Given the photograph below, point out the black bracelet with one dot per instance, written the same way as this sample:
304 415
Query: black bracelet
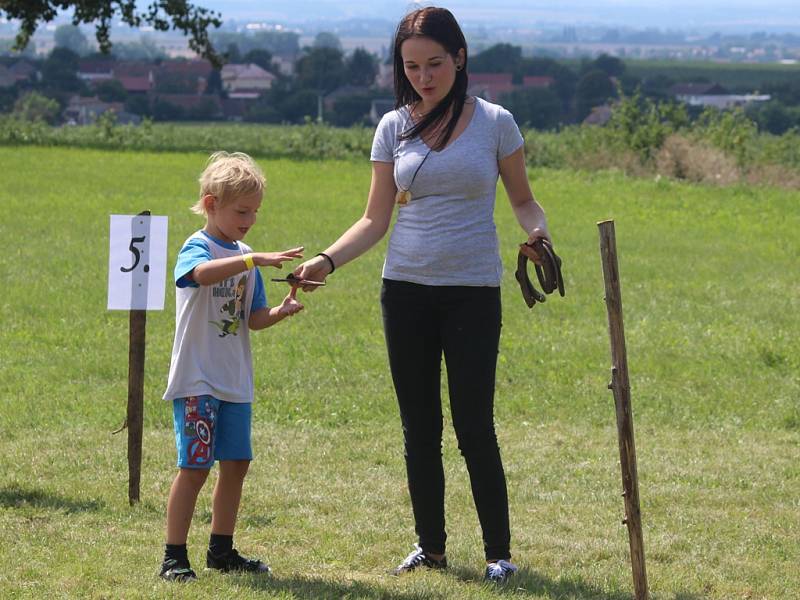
330 260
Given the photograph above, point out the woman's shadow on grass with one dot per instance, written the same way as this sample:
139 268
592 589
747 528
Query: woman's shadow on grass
525 582
19 497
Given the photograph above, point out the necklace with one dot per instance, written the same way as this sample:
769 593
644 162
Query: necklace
403 195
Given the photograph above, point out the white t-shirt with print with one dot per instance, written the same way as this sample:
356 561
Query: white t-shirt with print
211 352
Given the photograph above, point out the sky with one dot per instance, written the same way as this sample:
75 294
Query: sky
740 15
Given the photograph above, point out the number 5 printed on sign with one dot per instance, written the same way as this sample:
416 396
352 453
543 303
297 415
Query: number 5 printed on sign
137 262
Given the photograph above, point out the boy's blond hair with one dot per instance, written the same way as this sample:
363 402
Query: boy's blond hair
229 175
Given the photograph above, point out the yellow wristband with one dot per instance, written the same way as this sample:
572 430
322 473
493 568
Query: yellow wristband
248 261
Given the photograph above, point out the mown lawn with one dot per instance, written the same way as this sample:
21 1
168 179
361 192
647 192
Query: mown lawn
711 299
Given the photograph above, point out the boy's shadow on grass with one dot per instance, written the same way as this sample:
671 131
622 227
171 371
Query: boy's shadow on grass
18 497
309 587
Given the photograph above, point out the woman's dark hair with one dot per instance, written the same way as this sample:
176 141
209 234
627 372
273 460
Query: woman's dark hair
439 25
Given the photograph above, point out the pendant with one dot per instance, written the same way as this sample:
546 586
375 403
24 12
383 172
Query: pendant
402 197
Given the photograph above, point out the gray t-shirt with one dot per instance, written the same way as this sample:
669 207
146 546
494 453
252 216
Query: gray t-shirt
446 234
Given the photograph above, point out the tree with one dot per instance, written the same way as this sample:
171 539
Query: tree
260 57
138 105
564 78
214 84
60 71
35 107
72 38
350 110
500 58
326 39
296 107
284 43
361 67
320 69
610 65
536 107
162 15
593 89
167 111
143 50
110 90
232 53
774 117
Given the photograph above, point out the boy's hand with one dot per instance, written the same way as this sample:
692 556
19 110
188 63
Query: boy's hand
290 306
276 259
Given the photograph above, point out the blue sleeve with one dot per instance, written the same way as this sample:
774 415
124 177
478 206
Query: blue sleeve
259 294
194 252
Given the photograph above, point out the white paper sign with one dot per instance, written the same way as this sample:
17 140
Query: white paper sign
137 262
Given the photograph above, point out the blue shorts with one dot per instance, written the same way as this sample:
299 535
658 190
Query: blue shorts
207 429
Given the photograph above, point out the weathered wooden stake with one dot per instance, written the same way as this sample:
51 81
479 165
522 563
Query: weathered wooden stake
134 420
622 399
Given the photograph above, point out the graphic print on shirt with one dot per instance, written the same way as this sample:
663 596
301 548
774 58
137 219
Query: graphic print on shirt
232 309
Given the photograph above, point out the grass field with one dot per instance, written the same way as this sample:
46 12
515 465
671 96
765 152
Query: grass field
735 76
712 303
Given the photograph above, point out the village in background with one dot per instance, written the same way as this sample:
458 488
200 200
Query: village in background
343 76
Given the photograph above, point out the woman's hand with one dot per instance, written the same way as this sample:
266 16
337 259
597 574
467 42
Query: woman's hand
276 259
537 233
314 269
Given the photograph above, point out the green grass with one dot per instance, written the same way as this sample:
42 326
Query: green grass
710 295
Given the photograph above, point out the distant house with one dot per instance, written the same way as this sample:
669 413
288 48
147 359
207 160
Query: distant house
600 115
378 108
85 111
246 81
23 70
713 94
93 71
135 77
193 72
284 64
7 78
697 89
136 84
537 81
490 86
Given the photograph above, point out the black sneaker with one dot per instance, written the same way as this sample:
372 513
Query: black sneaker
176 570
418 558
500 571
233 561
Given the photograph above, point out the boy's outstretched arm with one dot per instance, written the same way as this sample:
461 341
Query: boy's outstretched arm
214 271
267 317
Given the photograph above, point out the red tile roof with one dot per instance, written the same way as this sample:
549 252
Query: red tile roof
537 81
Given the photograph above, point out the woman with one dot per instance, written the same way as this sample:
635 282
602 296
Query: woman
438 156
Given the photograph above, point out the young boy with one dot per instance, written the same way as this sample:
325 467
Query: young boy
219 298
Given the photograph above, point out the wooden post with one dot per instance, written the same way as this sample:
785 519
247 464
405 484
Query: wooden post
135 413
138 321
620 386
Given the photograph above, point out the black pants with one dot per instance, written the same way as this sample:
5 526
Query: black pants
421 323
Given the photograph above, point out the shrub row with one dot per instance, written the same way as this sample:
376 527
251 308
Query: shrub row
641 138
